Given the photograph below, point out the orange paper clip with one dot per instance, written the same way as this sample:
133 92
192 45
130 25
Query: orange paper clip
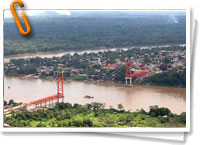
23 16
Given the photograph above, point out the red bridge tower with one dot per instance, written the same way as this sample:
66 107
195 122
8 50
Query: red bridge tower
130 75
51 100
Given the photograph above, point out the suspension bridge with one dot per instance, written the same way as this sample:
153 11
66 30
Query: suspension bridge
46 102
50 101
130 75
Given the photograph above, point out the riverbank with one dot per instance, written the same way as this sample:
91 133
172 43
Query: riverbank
60 53
94 82
95 115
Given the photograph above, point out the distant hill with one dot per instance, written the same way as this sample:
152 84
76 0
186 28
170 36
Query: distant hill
81 30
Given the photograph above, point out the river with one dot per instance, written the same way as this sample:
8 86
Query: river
133 98
61 53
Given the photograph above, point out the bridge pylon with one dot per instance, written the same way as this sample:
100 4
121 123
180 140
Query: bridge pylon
50 101
128 77
60 88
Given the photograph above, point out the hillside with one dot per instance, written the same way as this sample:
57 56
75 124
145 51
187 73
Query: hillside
91 30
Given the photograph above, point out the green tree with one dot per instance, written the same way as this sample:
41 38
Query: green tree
41 124
87 122
163 66
11 102
120 107
5 103
97 106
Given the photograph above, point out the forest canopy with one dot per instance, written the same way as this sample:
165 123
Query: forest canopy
95 115
95 30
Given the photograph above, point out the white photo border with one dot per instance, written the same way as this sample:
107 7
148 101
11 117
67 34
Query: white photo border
102 129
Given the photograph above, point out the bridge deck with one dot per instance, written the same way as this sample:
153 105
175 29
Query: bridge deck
137 74
43 100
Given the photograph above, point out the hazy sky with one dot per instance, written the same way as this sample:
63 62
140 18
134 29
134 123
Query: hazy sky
8 13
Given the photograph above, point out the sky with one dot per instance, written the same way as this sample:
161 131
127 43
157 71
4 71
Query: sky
8 13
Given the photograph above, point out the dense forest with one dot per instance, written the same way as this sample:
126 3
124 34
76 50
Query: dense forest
171 78
95 115
94 30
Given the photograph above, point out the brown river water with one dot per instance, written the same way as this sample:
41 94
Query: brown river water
132 98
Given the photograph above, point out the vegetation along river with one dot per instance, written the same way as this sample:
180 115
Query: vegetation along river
132 98
61 53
